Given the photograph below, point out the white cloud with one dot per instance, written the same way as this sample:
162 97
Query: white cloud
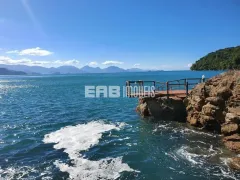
12 52
189 65
31 52
94 63
29 62
136 65
112 62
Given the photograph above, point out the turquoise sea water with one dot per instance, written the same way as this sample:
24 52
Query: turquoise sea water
48 130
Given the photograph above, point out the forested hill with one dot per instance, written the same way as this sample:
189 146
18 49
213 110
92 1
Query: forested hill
228 58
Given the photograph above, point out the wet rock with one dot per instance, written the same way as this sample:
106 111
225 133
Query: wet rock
229 128
163 108
232 142
143 110
193 120
234 163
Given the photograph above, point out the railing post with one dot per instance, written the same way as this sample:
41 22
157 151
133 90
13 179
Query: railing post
187 88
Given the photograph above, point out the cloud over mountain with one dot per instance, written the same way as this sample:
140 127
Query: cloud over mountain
29 62
112 62
31 52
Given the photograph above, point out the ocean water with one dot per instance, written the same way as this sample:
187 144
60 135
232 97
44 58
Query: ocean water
48 130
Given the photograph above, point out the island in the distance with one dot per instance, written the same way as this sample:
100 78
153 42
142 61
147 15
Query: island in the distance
4 71
223 59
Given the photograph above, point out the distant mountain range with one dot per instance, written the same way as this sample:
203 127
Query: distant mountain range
33 70
4 71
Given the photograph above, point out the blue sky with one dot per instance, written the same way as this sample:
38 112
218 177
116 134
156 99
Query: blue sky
148 34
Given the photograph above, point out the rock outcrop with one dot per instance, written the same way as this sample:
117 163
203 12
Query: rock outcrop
163 108
215 106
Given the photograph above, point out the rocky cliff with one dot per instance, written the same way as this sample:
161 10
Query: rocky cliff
162 108
215 106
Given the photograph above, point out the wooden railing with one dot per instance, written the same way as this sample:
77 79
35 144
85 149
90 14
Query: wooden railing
169 87
130 87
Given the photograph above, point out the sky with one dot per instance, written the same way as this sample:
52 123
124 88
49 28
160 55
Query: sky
146 34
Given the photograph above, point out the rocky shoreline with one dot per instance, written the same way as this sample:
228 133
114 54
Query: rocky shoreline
213 105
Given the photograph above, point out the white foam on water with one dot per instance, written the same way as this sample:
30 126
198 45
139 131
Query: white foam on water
187 130
23 172
162 127
74 139
191 157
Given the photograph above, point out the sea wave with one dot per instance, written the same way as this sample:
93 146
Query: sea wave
25 173
75 139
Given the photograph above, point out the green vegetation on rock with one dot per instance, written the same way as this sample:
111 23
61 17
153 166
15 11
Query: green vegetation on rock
228 58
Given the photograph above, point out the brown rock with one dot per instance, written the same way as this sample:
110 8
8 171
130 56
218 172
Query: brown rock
234 163
231 117
193 119
235 110
234 101
143 110
229 129
217 101
209 110
232 142
204 120
236 90
224 93
199 90
224 82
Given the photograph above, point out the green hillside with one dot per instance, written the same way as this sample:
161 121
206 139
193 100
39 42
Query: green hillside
228 58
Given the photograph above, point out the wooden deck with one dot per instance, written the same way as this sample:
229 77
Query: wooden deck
174 93
178 93
176 88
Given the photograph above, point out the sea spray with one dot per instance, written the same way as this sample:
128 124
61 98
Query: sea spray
74 139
